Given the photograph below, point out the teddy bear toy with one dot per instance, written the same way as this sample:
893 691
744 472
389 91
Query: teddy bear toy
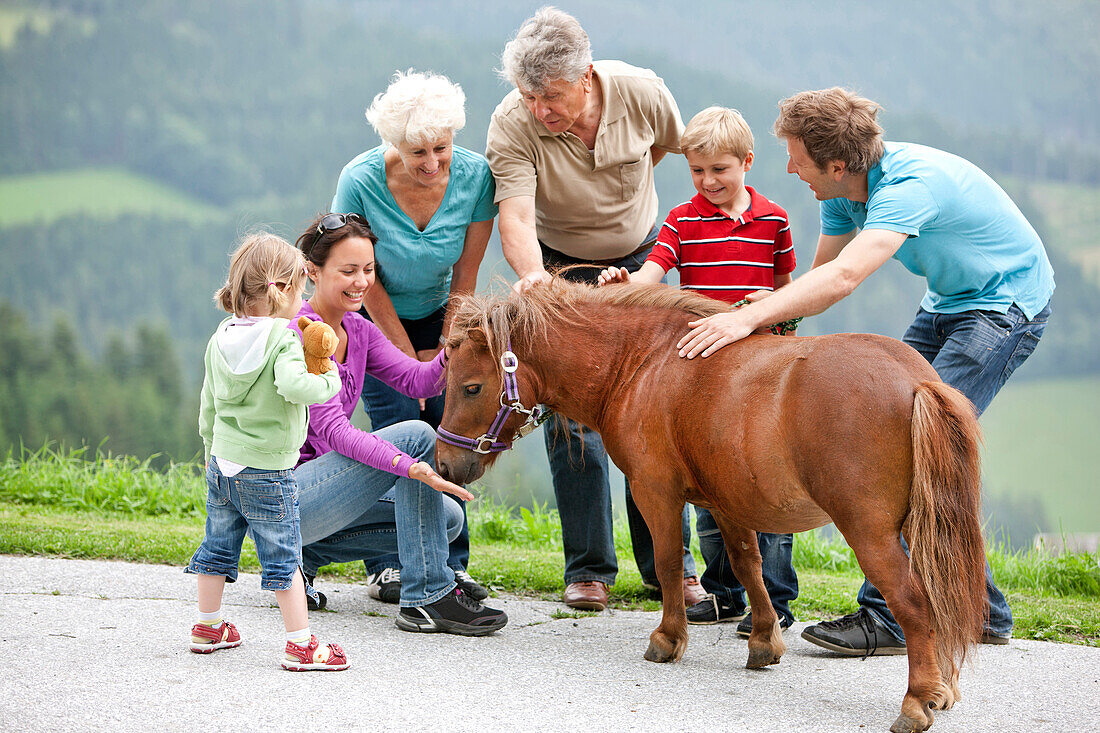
319 344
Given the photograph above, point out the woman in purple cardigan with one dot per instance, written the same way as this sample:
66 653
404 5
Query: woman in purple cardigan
365 495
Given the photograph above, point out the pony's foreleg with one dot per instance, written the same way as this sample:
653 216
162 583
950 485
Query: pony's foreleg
662 515
766 643
886 565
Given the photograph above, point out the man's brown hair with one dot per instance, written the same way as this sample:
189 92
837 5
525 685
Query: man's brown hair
833 124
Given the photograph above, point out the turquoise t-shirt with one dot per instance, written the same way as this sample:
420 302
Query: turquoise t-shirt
966 236
415 266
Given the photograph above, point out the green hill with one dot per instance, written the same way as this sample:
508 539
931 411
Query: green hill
98 193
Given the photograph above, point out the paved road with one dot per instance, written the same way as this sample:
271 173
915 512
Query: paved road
93 645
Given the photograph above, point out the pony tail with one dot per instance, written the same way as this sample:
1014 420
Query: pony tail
276 298
223 298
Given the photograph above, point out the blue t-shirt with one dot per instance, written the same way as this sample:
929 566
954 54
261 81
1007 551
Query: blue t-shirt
415 266
966 236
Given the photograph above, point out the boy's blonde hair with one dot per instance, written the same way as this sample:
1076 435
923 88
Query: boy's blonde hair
833 124
717 130
264 273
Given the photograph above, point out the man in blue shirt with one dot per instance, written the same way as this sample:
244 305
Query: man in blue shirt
989 282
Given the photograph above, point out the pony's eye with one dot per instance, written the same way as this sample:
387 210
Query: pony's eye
472 389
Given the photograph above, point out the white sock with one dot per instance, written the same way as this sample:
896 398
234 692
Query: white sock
211 618
300 637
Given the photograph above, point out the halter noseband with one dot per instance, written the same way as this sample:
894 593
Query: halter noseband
488 442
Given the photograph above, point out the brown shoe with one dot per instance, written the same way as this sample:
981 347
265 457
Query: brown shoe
693 592
587 595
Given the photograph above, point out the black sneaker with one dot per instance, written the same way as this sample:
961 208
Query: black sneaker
470 586
318 603
711 611
858 634
385 585
454 613
993 637
745 627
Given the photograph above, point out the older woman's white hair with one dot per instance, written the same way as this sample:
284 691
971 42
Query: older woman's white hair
418 108
550 46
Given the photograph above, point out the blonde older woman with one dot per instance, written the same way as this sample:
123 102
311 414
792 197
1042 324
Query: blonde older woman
431 204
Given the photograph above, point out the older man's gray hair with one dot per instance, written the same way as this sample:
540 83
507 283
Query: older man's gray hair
550 46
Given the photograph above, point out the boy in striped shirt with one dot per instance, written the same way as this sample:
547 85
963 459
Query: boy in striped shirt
728 242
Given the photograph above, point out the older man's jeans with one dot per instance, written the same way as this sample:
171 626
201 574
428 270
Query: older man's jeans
975 352
578 467
718 578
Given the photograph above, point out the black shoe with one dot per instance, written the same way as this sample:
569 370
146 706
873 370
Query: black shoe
992 637
470 586
711 611
454 613
385 585
314 604
745 627
858 634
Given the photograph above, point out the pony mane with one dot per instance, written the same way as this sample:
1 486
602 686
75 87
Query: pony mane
533 314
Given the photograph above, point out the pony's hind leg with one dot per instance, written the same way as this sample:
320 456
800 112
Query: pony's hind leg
886 565
766 644
663 517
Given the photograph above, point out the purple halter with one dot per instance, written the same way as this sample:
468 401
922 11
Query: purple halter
489 441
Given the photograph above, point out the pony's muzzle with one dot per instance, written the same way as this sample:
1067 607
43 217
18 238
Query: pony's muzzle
458 465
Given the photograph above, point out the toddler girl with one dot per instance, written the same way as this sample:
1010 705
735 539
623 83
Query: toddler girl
252 418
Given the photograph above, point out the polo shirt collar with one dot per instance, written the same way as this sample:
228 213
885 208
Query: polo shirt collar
757 204
874 177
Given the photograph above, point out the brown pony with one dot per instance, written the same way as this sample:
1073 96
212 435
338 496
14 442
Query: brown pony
772 434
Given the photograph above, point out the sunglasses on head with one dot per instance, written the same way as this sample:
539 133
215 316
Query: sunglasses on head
332 222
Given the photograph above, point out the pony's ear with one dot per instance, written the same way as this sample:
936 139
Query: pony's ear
477 337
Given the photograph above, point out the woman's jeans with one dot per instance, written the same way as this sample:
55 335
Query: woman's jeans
345 515
975 352
775 552
582 489
386 406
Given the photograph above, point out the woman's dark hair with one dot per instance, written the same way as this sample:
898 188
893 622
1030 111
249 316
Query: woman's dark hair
318 240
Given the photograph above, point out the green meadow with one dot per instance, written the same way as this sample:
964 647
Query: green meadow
1041 442
100 193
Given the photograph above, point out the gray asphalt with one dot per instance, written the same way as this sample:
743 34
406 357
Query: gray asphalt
93 645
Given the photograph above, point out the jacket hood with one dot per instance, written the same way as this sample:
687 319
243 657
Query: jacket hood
243 349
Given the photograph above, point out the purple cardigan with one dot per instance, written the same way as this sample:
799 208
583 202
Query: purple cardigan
368 352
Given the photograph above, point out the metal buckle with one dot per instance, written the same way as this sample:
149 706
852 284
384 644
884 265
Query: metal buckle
484 445
509 362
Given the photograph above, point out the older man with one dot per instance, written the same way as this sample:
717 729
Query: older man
989 282
572 149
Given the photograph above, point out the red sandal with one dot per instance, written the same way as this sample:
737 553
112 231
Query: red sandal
206 639
312 657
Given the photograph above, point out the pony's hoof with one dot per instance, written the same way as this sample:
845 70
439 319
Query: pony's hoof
905 724
760 658
657 654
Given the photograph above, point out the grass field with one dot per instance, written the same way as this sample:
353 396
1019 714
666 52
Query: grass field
15 15
102 193
57 503
1041 442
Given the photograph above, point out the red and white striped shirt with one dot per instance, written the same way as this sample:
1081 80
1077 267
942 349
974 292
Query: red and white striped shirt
726 258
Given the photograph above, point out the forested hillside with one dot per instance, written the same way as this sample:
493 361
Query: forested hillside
247 110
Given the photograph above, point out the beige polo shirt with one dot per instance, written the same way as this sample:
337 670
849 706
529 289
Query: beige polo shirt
597 204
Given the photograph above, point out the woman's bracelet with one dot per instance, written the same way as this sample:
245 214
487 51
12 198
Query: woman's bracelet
442 340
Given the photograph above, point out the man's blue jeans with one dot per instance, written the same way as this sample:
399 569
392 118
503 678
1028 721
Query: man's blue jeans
975 352
578 468
338 501
775 552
